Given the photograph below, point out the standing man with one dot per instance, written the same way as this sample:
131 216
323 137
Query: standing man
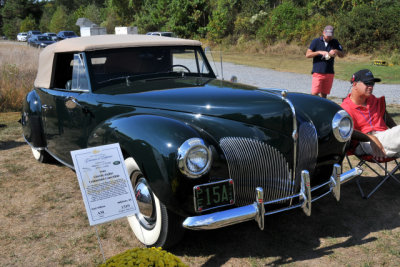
323 50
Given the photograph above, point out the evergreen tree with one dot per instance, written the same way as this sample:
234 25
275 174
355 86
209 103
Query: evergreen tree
62 21
12 15
28 24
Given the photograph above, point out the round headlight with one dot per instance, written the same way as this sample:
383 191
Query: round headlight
194 158
342 126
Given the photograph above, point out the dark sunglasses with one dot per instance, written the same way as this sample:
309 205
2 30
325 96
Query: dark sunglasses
372 83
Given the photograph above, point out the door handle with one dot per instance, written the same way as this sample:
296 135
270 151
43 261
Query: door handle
72 103
44 107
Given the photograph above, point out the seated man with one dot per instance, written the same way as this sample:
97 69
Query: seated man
373 127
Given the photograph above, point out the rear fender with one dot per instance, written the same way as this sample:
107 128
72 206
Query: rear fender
31 120
153 142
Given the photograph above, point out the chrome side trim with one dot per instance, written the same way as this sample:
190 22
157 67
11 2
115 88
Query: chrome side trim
60 160
37 148
295 134
51 154
250 212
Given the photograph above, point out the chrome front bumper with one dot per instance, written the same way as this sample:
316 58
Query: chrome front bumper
256 211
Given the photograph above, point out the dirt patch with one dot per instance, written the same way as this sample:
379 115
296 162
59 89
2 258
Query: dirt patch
44 223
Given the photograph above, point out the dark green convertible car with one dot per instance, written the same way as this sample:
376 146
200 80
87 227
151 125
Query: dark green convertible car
202 153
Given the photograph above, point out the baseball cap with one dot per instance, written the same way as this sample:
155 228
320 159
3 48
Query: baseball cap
364 76
328 30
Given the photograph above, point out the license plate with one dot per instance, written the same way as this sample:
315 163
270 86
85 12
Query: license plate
213 195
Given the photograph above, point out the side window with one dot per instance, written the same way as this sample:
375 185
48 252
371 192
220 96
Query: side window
63 64
79 78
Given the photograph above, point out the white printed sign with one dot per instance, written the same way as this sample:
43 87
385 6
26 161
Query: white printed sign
105 185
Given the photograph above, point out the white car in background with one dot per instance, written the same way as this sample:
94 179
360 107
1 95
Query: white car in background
21 37
166 34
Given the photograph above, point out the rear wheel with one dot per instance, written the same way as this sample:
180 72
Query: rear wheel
154 226
41 155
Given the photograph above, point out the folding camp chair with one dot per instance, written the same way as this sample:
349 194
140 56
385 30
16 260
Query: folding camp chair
369 161
365 159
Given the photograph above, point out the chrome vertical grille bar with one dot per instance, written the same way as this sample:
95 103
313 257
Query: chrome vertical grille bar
252 164
308 148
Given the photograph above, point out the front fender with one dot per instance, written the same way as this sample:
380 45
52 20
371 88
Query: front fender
153 142
319 110
31 120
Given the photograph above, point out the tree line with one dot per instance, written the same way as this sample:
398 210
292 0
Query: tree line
361 25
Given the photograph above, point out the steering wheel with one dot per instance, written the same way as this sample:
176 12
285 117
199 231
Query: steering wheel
181 66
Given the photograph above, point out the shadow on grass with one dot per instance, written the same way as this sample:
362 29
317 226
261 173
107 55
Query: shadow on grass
292 236
4 145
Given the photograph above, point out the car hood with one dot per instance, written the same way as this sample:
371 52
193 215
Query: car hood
209 97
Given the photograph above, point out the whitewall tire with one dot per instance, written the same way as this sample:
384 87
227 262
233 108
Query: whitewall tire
40 155
154 226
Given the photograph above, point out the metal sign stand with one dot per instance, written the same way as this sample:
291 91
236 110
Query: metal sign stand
101 247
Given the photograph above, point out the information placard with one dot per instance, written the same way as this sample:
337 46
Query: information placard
105 185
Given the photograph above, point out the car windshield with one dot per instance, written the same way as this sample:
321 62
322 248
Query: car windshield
69 33
44 38
50 34
36 32
167 34
127 65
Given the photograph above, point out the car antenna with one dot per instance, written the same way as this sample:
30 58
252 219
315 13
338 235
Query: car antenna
222 69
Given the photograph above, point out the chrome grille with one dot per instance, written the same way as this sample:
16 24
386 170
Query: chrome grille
253 163
308 149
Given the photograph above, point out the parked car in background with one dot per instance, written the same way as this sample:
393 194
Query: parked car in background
21 37
201 153
166 34
66 34
40 41
32 33
52 35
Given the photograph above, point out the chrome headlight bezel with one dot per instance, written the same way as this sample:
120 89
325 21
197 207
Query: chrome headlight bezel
184 151
339 131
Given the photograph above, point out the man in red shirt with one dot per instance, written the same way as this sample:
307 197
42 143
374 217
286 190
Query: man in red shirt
373 126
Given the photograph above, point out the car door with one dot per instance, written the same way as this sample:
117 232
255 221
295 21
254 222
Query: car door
66 119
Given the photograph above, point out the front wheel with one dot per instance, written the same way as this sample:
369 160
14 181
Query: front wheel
154 226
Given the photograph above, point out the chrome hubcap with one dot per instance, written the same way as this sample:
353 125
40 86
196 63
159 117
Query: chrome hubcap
144 198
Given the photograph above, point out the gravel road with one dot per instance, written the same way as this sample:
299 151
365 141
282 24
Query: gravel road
267 78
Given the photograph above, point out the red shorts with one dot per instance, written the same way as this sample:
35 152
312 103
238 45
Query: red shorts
322 83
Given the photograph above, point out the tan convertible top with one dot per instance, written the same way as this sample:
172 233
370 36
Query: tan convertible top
98 42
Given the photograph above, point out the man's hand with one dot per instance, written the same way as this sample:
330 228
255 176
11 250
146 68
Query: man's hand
311 54
377 149
335 52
